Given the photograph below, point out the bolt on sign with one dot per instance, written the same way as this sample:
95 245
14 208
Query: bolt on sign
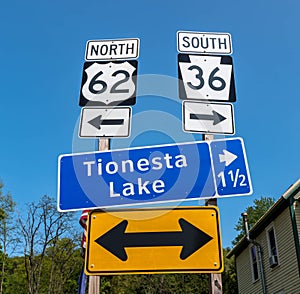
159 240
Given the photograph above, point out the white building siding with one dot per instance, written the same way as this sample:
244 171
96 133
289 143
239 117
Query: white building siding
245 281
288 266
285 276
297 216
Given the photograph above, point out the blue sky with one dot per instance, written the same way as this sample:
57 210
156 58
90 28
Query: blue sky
42 55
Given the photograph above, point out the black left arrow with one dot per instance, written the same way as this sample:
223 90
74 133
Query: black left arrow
97 122
215 117
190 238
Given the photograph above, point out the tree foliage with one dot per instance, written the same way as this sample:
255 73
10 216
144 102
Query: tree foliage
255 212
63 264
41 228
158 284
7 232
229 278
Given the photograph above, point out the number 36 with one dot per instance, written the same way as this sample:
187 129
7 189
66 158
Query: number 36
216 83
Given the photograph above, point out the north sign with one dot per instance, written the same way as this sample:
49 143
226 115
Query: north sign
184 239
206 77
108 83
112 49
207 118
154 174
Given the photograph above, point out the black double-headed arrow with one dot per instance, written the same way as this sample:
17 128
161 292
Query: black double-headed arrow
97 122
190 238
215 117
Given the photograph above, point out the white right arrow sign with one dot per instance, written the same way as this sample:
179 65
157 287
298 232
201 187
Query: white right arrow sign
210 118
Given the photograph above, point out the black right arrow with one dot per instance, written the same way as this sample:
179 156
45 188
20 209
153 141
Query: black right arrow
190 238
215 116
97 122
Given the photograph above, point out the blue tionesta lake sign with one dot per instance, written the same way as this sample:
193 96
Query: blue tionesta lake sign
153 174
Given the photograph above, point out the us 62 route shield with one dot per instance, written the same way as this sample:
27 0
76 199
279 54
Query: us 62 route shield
108 83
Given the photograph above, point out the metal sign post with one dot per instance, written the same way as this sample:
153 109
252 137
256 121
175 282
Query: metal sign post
215 280
94 281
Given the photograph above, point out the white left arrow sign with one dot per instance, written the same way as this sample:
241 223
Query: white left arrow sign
105 122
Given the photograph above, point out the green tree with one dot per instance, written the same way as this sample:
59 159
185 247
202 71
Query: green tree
15 276
255 212
229 279
40 228
63 266
59 275
8 239
157 284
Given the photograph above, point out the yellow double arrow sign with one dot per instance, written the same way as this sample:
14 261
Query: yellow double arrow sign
162 240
